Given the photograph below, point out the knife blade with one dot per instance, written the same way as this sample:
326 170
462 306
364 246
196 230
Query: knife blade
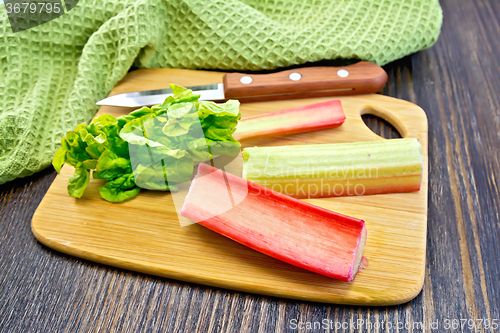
360 78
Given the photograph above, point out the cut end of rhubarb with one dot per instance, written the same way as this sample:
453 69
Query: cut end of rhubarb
358 261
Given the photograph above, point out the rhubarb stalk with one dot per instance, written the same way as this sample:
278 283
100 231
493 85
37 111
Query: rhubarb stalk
307 118
282 227
343 169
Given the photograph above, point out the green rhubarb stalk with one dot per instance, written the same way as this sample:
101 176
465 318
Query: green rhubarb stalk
280 226
331 170
307 118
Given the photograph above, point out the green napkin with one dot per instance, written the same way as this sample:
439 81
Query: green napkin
52 75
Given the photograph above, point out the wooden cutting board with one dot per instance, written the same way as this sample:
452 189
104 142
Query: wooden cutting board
144 234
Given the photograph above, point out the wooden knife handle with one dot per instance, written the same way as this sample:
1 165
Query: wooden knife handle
360 78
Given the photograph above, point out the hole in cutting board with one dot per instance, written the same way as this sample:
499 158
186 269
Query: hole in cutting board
378 125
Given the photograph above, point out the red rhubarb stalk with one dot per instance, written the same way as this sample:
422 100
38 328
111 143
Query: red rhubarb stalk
301 119
275 224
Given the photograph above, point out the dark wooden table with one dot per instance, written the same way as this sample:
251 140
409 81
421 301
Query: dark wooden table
457 82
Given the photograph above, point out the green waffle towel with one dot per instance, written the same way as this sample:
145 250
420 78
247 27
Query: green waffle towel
52 75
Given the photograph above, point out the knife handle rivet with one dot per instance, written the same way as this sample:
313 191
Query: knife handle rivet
342 73
295 76
246 80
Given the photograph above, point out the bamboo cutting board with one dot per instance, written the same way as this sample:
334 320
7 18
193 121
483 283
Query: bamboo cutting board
144 234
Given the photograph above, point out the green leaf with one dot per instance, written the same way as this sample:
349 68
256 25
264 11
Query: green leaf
90 164
180 126
207 108
105 120
178 169
154 177
219 134
151 177
180 110
166 141
109 166
174 165
121 188
219 120
115 194
224 148
136 114
124 181
75 148
78 182
199 149
180 94
59 159
94 145
133 132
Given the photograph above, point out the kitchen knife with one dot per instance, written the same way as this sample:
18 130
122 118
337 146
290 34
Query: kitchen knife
360 78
